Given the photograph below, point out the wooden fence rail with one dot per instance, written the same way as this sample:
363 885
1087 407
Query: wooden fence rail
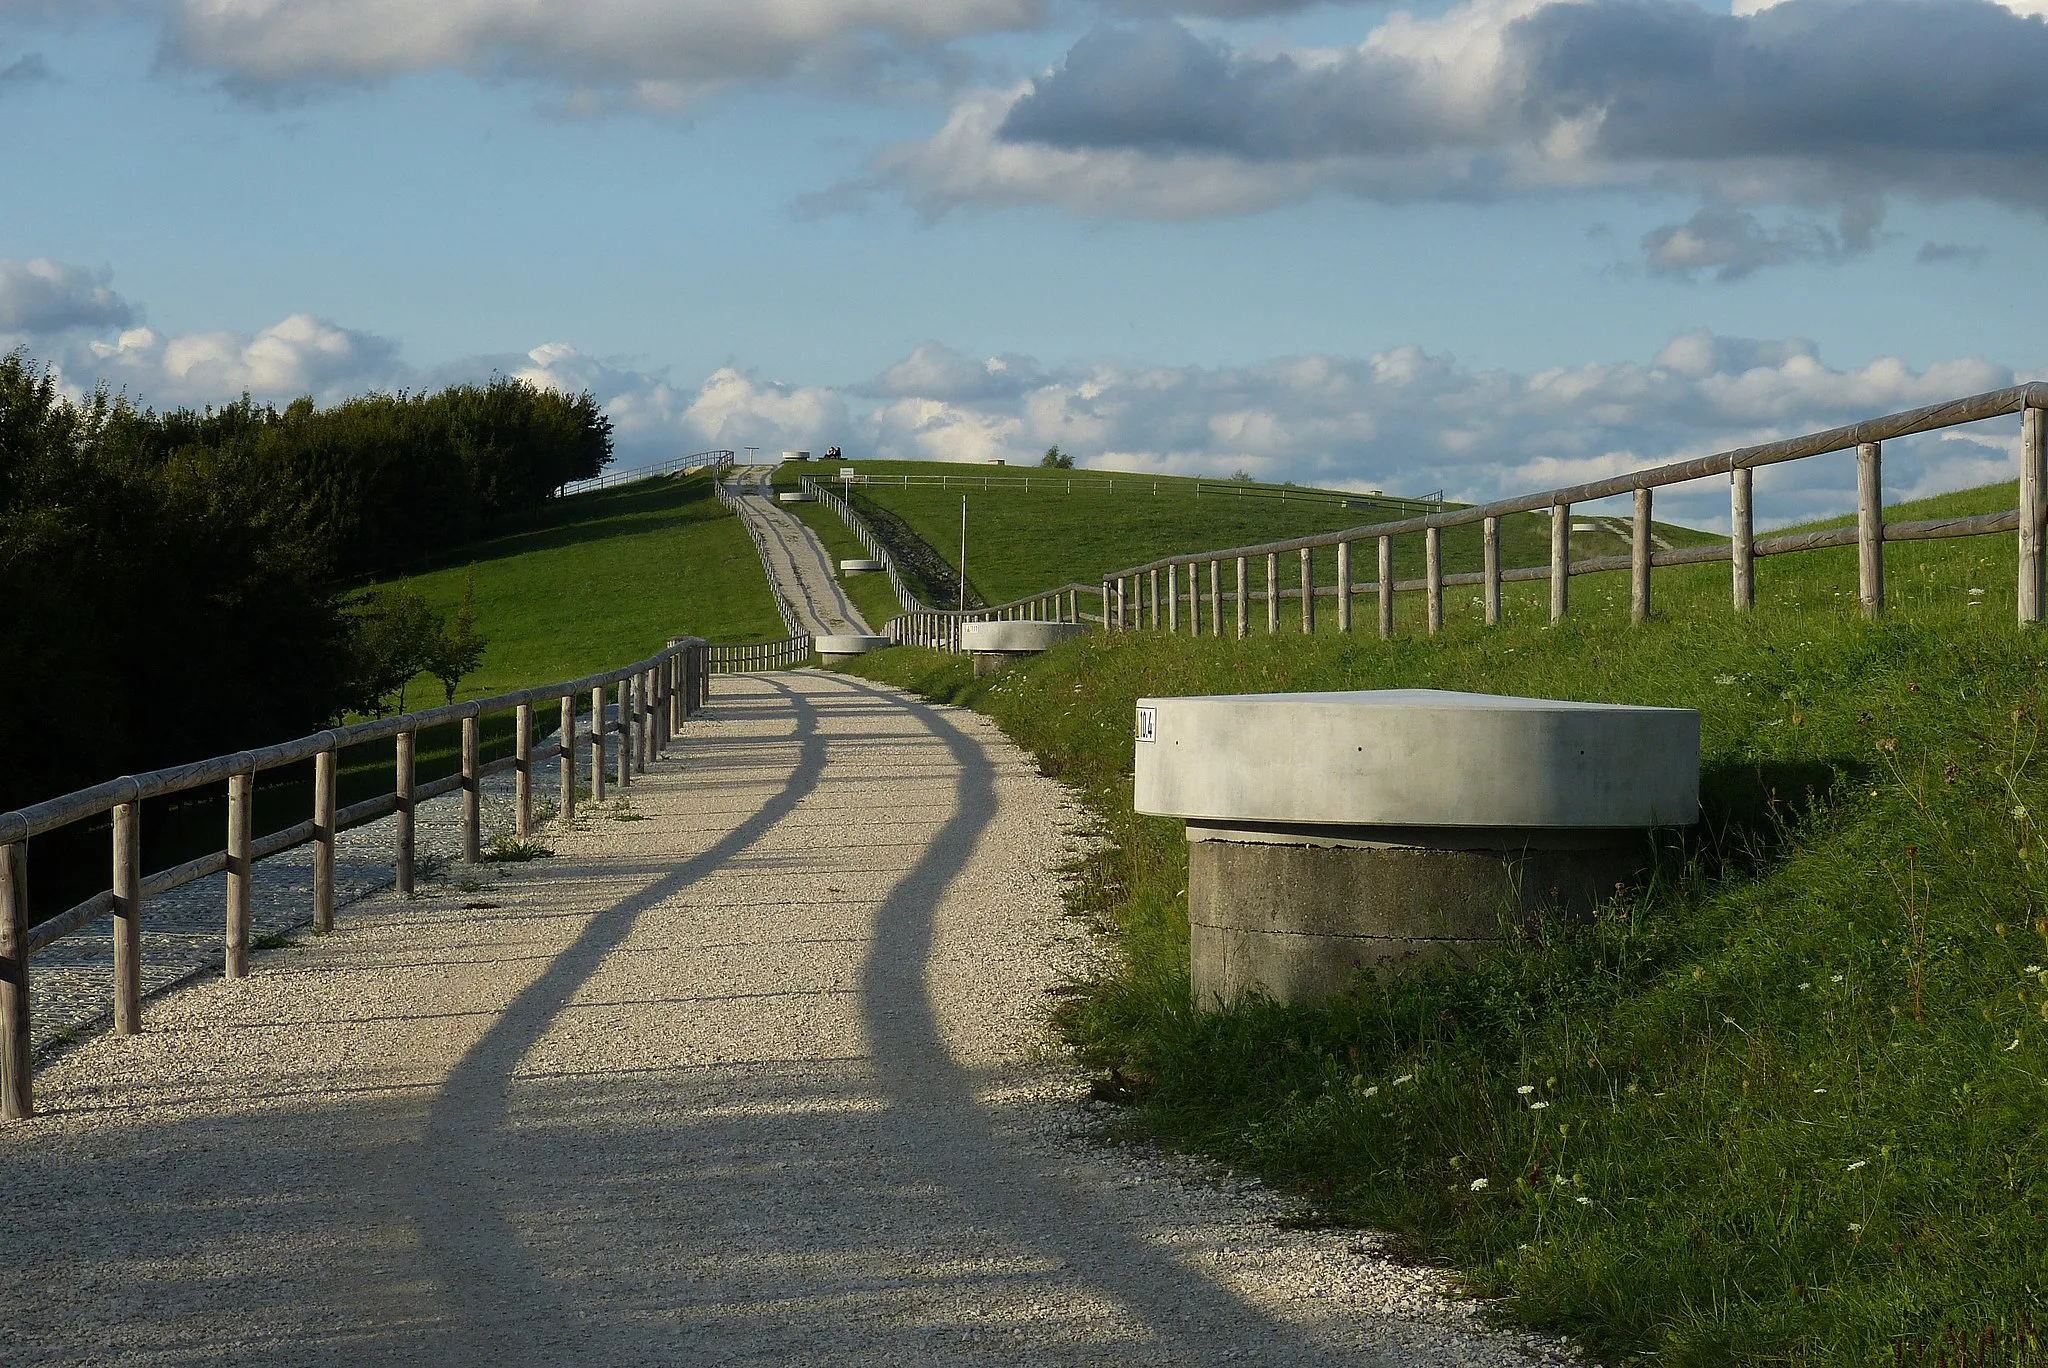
1132 597
786 654
652 698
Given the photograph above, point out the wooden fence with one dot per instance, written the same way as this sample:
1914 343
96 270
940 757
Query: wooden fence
1133 596
718 461
786 654
1061 483
653 697
855 523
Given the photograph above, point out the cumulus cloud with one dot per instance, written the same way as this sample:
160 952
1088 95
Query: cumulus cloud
1829 106
43 296
300 354
1403 420
660 54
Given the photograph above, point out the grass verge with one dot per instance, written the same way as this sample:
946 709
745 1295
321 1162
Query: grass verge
1785 1104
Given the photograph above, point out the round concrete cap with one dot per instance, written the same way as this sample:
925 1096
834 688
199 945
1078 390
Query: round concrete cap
847 644
793 496
1416 758
1020 638
859 565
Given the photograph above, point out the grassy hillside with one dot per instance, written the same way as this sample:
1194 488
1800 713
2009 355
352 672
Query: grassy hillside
608 578
1080 525
1794 1092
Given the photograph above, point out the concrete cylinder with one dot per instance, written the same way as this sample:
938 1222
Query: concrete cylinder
1333 834
859 565
995 645
846 645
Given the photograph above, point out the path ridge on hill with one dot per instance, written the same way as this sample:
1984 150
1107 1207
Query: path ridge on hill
798 568
754 1070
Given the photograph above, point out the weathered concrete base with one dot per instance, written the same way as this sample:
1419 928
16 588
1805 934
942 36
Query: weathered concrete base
988 662
845 646
1297 921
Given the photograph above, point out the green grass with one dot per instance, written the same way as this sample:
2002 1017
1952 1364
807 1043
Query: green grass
1795 1085
872 594
1022 542
608 580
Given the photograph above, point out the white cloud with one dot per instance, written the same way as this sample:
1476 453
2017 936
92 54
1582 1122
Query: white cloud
1403 420
660 54
1825 108
44 296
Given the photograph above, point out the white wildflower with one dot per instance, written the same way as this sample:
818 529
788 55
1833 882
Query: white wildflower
2031 969
1373 1091
1538 1106
1526 1089
1404 1078
1479 1185
1804 986
1835 978
1583 1201
1857 1165
1855 1227
1724 679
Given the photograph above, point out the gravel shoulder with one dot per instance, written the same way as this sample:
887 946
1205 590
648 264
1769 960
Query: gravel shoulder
755 1070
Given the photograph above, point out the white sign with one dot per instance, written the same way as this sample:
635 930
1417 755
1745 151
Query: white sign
1146 720
845 472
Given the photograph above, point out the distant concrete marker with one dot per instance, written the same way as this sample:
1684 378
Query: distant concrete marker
845 646
997 644
860 565
1334 832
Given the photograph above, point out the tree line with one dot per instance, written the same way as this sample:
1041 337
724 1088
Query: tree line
179 584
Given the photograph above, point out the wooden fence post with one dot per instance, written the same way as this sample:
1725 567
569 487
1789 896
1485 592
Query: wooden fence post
1490 536
1215 598
1386 588
1272 592
1742 543
1172 598
472 791
17 1092
1308 592
1870 527
522 772
565 762
1639 559
406 833
241 799
1154 577
1194 599
1344 586
324 837
128 917
2033 588
643 711
597 735
1560 560
1433 574
624 773
1243 599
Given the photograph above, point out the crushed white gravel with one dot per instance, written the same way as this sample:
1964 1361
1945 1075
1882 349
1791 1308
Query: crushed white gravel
760 1077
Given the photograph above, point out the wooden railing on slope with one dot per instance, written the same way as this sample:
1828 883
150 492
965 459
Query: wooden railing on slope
1092 483
718 461
654 697
1133 599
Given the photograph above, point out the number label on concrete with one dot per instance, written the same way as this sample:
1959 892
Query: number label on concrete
1146 718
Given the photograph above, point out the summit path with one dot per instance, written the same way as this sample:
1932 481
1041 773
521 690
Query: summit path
755 1070
798 569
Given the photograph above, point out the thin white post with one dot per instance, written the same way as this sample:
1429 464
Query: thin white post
1560 560
1344 586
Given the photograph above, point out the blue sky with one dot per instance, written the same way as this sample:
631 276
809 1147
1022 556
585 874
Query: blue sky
1313 241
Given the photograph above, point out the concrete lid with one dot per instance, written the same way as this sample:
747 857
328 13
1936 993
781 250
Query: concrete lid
1017 636
1418 758
860 563
847 643
793 496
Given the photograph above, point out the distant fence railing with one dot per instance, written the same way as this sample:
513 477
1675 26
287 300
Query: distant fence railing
743 658
653 699
717 461
1133 598
1060 482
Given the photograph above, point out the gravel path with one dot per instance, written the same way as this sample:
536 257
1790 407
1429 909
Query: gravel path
762 1077
799 571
